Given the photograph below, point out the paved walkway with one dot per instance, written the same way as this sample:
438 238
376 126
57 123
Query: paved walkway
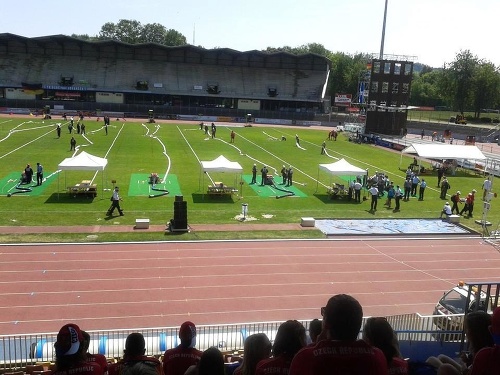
152 228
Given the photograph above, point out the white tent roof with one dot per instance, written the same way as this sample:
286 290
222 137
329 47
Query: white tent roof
444 151
83 162
342 168
221 164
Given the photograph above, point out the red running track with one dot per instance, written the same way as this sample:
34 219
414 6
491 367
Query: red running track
113 286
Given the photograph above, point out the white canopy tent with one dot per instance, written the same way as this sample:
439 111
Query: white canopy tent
83 162
221 165
341 168
443 151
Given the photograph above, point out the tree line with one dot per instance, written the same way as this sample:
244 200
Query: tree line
468 83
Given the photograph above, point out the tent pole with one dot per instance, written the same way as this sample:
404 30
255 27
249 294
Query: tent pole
317 182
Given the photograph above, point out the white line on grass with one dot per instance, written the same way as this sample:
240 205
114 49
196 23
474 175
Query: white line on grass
107 152
26 144
164 150
283 161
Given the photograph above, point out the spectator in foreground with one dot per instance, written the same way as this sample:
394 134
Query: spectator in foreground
211 363
487 360
97 358
340 352
256 348
134 361
290 338
379 333
177 360
476 327
71 355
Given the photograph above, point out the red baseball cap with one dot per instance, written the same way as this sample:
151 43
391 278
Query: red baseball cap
187 331
68 340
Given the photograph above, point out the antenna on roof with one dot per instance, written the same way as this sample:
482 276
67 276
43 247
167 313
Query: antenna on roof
194 34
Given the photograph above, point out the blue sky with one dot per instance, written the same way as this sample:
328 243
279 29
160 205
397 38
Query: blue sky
432 30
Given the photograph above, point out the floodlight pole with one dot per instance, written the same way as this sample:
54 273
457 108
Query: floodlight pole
383 33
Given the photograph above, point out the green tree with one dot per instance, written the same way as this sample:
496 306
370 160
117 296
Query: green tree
133 32
85 37
174 38
485 87
425 90
457 80
127 31
316 48
153 33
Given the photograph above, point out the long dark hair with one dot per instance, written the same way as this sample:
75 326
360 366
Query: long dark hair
211 362
256 348
379 333
290 338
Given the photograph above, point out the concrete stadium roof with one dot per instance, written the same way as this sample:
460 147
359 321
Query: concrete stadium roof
62 45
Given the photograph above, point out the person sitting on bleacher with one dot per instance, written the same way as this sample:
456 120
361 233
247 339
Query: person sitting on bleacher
71 353
314 330
177 360
134 361
476 328
290 338
211 363
487 360
97 358
256 348
340 352
379 333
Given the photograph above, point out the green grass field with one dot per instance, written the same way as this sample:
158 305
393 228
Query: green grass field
134 149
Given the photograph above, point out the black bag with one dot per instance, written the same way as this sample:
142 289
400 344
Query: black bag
111 199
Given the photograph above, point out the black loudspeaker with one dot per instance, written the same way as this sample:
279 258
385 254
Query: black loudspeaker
272 92
180 215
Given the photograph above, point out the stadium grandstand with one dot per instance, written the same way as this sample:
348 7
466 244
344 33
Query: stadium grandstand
69 74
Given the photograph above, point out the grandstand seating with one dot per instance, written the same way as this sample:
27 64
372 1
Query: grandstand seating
176 78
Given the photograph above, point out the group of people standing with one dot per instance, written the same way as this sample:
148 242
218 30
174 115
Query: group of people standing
286 174
27 174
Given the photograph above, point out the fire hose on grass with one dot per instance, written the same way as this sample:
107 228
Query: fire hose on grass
21 190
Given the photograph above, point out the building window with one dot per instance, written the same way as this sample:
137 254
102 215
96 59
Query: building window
374 87
397 68
395 87
387 68
406 88
385 87
376 67
408 68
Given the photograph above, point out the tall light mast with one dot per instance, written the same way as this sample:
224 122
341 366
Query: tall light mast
383 33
